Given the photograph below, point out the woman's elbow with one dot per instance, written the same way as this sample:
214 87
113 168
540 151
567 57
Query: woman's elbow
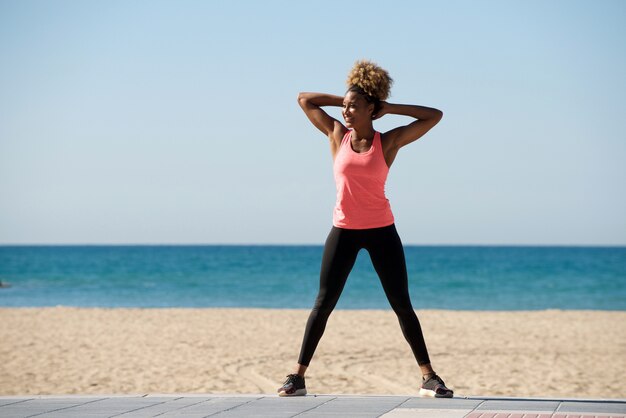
303 100
437 116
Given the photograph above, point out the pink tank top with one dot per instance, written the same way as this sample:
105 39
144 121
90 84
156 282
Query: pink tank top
360 180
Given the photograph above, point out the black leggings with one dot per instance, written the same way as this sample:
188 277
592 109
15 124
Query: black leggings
387 254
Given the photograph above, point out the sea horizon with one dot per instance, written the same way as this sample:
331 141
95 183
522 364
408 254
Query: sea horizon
288 244
450 277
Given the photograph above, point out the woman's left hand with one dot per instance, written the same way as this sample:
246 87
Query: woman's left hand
384 106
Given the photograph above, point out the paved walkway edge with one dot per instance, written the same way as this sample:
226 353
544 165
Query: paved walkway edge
311 406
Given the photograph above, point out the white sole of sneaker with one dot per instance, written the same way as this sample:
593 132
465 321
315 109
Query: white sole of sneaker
426 393
299 392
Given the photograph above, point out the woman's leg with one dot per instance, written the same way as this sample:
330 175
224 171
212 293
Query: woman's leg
339 256
387 255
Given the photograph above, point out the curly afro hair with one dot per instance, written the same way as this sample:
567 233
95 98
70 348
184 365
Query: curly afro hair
371 79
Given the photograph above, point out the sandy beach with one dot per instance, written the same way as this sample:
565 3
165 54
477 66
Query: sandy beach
87 351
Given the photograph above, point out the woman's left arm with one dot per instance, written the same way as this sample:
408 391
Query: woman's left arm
427 118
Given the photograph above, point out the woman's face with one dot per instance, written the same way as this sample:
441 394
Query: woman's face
356 110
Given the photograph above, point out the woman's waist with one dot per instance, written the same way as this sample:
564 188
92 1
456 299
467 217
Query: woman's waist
362 217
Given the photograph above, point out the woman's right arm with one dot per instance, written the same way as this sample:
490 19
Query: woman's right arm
312 104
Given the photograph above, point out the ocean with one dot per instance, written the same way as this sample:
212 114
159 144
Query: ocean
260 276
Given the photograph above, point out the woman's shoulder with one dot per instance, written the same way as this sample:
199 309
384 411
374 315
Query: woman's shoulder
342 135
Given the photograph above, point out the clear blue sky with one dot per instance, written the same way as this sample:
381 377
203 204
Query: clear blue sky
177 121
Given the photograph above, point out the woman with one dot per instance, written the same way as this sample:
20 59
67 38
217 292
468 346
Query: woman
362 216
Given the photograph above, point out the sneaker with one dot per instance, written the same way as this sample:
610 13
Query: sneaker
293 386
435 388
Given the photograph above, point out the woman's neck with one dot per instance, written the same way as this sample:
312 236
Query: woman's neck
366 132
